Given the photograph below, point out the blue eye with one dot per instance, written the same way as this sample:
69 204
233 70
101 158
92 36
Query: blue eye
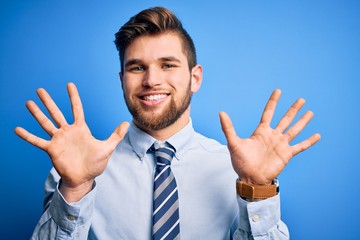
166 66
137 69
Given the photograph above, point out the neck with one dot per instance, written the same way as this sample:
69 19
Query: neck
167 132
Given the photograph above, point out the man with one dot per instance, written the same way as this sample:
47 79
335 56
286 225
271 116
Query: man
130 186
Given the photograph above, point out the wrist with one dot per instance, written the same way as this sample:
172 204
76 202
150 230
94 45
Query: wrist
250 191
75 194
255 181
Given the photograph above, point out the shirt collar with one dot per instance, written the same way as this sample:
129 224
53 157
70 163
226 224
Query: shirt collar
140 141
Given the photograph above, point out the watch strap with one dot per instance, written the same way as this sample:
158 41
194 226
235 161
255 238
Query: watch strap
254 191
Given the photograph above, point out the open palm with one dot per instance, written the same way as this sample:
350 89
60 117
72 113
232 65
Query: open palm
261 158
76 155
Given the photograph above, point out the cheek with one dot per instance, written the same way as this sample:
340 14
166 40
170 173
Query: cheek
180 81
127 91
128 86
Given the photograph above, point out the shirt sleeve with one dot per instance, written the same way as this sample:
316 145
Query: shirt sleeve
260 220
62 220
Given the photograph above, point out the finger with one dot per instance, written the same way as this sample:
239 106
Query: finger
299 125
227 127
270 107
297 148
41 118
118 135
290 114
76 104
52 108
31 138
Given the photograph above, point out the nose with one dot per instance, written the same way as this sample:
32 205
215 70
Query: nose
152 77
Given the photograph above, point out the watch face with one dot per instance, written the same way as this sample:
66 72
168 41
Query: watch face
277 184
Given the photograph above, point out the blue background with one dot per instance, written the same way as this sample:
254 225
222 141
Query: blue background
247 48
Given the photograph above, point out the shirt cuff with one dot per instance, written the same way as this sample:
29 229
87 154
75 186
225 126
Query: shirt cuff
69 216
260 216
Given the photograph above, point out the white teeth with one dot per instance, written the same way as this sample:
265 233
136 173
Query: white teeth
154 97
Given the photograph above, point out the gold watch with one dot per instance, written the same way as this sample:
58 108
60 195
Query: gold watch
254 191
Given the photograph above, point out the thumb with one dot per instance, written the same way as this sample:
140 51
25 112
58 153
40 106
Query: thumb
118 134
227 127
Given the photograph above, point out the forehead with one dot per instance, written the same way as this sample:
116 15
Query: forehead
150 47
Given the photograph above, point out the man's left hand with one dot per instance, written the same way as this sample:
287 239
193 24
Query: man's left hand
261 158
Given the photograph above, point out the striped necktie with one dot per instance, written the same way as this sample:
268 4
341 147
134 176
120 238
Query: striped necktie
165 206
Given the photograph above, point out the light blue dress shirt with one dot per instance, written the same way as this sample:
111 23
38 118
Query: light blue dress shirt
120 204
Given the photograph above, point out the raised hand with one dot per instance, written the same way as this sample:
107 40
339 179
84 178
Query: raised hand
76 155
261 158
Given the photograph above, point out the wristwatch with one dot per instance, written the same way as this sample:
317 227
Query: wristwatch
250 191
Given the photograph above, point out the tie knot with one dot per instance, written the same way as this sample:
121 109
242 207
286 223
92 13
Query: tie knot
164 154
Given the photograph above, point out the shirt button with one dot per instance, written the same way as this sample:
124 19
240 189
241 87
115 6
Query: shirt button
255 218
71 217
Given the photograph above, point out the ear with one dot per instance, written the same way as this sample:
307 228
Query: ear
196 78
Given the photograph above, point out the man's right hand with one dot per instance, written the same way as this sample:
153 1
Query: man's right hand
76 155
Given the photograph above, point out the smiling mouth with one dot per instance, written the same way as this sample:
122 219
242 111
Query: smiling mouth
155 97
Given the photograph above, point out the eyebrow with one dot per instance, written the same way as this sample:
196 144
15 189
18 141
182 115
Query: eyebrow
170 59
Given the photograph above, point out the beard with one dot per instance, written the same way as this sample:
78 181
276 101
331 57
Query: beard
147 119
